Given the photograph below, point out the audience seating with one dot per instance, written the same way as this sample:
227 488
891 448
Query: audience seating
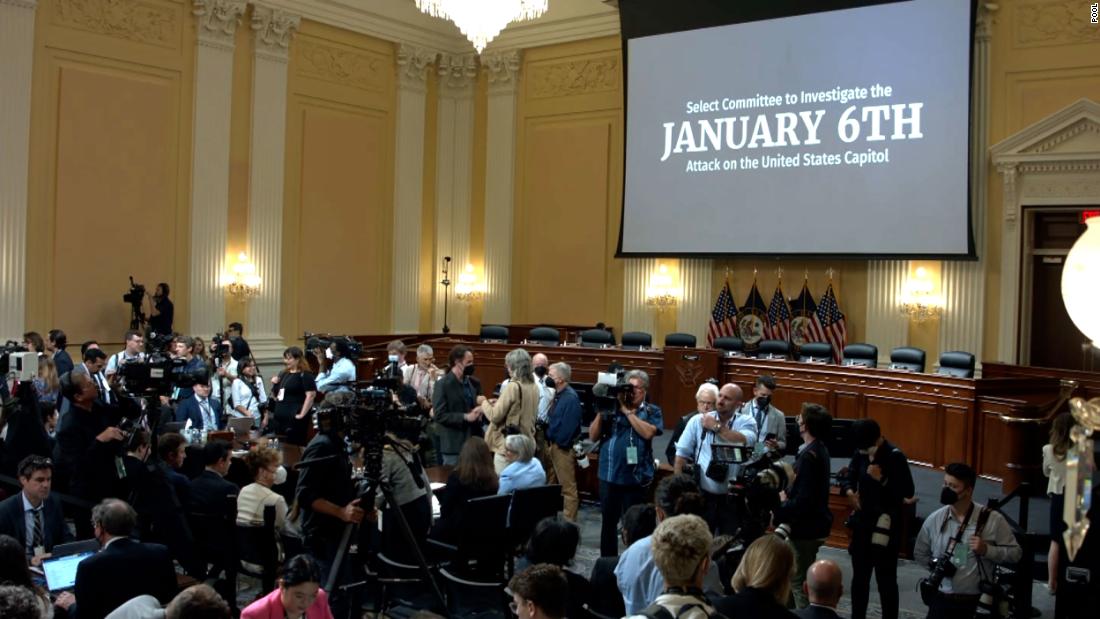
529 506
474 574
259 546
493 333
595 338
215 539
774 349
731 345
907 358
861 354
685 340
636 340
545 336
815 352
957 363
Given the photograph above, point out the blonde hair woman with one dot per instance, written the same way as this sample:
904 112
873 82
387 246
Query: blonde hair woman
762 581
516 408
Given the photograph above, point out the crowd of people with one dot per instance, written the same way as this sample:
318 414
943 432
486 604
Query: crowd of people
130 481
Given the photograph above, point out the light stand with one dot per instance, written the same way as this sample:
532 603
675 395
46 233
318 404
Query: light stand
446 289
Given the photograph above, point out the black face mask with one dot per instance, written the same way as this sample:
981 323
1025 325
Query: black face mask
540 371
468 370
550 382
948 496
763 401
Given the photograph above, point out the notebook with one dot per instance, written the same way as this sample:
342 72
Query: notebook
61 572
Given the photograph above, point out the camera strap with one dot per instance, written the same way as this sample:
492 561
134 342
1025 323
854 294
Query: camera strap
954 541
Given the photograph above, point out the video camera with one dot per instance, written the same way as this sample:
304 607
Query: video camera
219 347
157 343
14 357
136 295
158 374
351 347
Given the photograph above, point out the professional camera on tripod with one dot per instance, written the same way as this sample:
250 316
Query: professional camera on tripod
135 297
611 392
16 359
324 340
157 375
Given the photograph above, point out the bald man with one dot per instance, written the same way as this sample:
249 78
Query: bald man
540 365
824 587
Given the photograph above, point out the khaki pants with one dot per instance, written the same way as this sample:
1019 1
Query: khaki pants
500 463
563 470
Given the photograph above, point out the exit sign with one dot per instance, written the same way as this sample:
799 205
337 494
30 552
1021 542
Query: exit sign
1087 214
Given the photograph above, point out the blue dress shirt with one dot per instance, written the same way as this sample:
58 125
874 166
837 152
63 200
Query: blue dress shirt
639 579
337 378
519 475
695 445
613 466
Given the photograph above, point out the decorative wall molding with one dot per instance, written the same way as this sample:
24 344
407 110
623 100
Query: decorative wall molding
20 4
274 29
575 77
502 69
637 316
340 65
696 299
140 21
1064 22
500 154
886 327
413 64
457 72
217 20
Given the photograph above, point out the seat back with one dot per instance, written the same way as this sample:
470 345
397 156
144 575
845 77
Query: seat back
957 363
815 352
774 349
595 338
529 506
493 333
637 340
215 537
685 340
259 545
546 336
733 345
907 358
865 355
482 523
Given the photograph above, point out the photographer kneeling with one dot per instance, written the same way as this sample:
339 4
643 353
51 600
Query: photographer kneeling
960 543
697 446
626 455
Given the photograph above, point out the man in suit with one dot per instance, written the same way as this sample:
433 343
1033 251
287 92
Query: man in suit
88 439
203 411
125 568
172 450
209 489
33 517
454 404
824 586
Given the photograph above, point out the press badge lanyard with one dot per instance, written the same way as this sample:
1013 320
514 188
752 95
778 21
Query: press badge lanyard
632 449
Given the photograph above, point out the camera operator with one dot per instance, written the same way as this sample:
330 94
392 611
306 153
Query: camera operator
403 470
770 421
238 346
326 494
248 396
877 483
965 539
706 398
696 445
340 376
626 456
805 508
162 313
133 353
454 405
225 370
184 348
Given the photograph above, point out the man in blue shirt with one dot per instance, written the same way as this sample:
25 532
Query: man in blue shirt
341 376
626 457
722 427
564 417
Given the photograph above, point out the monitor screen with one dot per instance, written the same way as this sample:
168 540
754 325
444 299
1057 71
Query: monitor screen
61 572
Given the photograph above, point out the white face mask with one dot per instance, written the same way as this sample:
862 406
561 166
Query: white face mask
393 358
280 475
328 353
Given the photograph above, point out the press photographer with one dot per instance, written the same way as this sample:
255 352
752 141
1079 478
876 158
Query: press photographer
340 353
770 421
701 448
877 483
804 515
163 312
961 543
184 348
134 352
626 453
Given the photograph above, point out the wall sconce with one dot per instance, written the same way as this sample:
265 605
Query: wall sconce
918 302
660 293
243 283
469 289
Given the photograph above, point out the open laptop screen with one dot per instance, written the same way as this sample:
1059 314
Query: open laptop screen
61 572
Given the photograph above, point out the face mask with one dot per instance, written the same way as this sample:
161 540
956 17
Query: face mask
868 451
550 382
280 475
540 371
393 358
762 402
328 353
948 496
468 370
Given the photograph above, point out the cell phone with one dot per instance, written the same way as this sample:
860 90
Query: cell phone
1078 575
770 436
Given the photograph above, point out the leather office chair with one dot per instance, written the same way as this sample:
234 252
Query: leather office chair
257 546
957 363
637 340
685 340
545 336
774 349
595 338
732 346
907 358
861 354
493 333
815 352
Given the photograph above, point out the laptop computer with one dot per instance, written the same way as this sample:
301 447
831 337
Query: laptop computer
240 426
72 548
61 572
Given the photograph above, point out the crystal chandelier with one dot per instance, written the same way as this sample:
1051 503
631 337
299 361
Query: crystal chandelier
482 20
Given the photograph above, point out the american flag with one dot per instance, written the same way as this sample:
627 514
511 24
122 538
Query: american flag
723 318
804 318
752 319
832 323
779 317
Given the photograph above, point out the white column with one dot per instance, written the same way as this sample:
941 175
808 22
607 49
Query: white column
217 23
454 152
887 328
412 67
273 30
697 300
503 70
16 60
963 283
637 316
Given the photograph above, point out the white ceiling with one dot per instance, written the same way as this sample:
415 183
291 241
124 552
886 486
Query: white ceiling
401 21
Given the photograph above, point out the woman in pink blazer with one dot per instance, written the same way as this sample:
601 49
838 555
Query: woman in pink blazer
299 595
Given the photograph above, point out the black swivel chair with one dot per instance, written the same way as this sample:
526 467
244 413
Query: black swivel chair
216 543
815 352
732 346
685 340
865 355
636 340
774 349
907 358
493 333
257 546
597 338
474 576
544 336
957 363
